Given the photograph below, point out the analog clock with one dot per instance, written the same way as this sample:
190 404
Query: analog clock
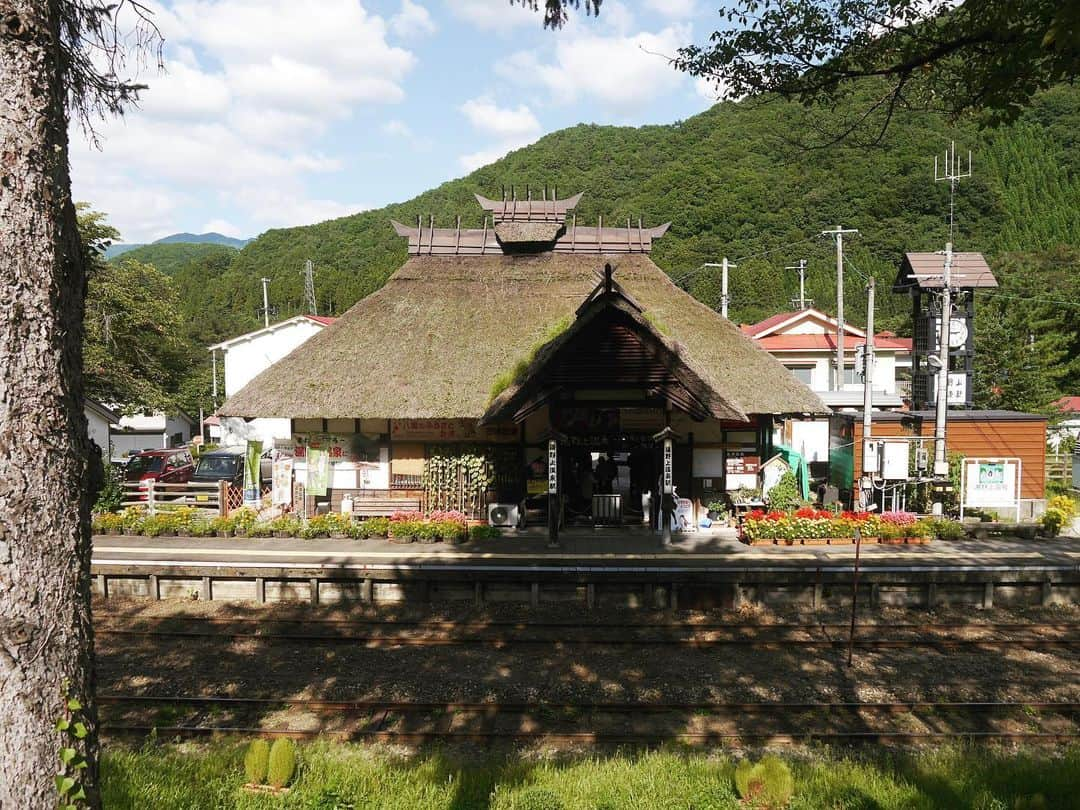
958 333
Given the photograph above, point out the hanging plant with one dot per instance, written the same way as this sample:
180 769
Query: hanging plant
456 477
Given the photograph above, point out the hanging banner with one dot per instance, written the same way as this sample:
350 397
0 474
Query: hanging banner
553 468
283 484
318 471
252 465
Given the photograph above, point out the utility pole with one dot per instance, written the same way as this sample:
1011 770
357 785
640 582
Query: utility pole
724 266
309 287
213 360
839 232
801 267
266 302
952 174
868 379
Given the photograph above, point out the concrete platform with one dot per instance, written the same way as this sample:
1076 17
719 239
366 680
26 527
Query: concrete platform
633 548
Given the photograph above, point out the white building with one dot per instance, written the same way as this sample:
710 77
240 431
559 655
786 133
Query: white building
98 420
247 356
805 342
1067 426
149 430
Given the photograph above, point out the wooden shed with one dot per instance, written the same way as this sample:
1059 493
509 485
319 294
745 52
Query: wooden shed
971 433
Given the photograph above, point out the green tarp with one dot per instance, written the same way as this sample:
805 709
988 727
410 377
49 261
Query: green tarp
798 464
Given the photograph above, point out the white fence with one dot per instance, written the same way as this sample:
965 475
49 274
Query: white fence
157 497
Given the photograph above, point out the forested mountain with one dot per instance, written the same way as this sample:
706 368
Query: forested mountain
742 180
171 257
211 238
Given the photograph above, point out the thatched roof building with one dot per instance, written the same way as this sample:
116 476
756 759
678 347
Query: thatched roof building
453 333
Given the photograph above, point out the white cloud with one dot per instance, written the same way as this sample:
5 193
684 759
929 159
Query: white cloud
676 9
251 87
413 20
622 73
495 15
224 227
485 115
511 127
396 127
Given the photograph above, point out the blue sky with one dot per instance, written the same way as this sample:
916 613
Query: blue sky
273 113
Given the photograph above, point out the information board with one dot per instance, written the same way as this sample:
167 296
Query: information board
990 483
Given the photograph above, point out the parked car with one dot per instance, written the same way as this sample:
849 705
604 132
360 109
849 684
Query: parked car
227 464
171 466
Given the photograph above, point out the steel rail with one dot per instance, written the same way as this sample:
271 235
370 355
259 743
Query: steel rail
571 623
895 707
500 641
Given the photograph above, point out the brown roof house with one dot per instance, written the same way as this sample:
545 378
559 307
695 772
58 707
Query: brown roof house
534 328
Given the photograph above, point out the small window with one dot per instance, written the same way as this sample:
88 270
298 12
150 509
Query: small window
851 377
804 374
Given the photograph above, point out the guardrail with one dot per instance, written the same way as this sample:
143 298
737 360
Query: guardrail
157 497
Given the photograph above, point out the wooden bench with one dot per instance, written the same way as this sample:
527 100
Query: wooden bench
383 507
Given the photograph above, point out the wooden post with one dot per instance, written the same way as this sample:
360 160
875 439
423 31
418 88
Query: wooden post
988 595
150 497
260 590
854 595
223 498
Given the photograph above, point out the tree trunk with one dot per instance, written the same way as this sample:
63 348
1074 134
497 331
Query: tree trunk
46 643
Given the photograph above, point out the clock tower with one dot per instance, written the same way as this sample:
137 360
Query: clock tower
922 276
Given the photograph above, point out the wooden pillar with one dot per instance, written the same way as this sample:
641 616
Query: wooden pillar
367 591
260 590
313 590
988 595
154 587
207 592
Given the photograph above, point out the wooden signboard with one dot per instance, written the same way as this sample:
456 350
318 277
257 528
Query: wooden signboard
450 430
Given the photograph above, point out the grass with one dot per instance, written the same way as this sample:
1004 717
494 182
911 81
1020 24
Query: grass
336 776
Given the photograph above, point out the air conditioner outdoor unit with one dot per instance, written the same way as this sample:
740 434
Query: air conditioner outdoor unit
507 515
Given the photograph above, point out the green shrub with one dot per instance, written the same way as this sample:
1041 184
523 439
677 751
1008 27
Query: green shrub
1036 801
256 761
1052 521
483 532
536 798
945 529
111 494
767 784
785 494
281 766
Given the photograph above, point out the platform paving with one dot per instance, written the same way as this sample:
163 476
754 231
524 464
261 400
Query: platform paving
578 548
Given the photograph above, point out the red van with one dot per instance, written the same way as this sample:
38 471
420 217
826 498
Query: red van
167 466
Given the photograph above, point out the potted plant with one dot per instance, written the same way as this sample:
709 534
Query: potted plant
403 531
244 520
109 523
222 526
131 519
338 525
717 511
284 526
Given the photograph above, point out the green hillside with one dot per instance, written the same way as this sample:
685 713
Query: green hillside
171 257
733 183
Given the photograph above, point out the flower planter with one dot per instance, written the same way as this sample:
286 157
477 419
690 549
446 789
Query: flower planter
132 532
338 536
283 534
403 540
240 533
428 541
183 532
224 533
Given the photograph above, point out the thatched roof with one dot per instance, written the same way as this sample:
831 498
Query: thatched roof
433 340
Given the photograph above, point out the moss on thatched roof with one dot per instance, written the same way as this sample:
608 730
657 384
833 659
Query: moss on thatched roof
433 341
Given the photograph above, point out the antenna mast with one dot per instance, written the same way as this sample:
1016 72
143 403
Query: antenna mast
953 174
309 287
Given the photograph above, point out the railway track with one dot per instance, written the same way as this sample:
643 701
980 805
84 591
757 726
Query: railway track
439 634
420 722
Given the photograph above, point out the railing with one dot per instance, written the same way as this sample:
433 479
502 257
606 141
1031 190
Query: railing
158 497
